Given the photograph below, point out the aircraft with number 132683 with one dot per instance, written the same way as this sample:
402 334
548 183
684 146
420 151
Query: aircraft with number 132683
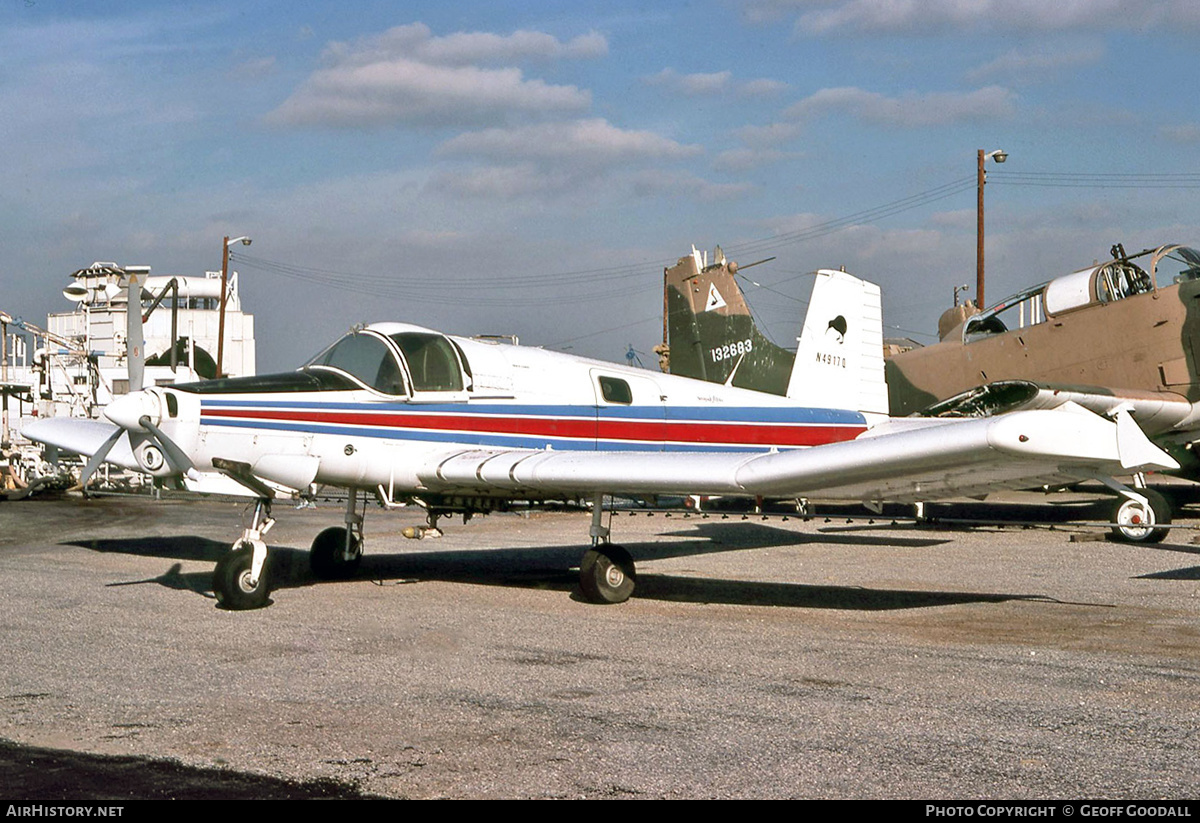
463 425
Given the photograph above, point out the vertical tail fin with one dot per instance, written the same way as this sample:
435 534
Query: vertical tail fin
710 333
713 337
839 362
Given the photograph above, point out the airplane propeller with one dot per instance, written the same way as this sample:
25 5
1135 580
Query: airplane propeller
96 459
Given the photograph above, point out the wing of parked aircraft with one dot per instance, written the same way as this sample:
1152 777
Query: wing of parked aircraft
907 461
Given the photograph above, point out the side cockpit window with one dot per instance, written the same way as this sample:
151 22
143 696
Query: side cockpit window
431 361
367 358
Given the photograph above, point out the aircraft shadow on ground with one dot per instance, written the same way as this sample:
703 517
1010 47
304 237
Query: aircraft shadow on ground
556 567
1190 573
34 773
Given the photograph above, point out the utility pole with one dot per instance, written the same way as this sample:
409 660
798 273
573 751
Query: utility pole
999 156
245 241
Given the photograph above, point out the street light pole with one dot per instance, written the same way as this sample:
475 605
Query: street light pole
245 241
999 156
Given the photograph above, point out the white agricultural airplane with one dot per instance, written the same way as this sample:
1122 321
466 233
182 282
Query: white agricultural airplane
463 425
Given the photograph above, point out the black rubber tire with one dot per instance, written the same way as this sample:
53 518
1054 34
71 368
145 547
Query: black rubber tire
231 581
607 575
1126 510
326 556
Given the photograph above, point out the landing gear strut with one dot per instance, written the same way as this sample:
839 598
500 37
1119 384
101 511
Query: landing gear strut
606 573
240 580
336 552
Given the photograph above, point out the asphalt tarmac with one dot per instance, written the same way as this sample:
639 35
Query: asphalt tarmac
758 658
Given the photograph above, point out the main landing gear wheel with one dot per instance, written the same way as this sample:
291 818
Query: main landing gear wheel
327 559
1136 524
606 574
232 583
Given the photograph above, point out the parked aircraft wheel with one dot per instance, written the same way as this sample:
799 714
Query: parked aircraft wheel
231 581
327 558
606 574
1137 525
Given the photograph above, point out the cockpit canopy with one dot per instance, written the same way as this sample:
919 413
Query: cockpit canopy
402 362
1114 280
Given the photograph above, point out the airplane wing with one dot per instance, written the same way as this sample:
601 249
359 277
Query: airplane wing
905 460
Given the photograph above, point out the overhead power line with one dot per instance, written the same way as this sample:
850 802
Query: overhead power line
610 282
1096 180
507 291
421 286
872 215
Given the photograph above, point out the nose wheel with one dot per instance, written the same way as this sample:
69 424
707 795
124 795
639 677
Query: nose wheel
236 584
607 575
240 580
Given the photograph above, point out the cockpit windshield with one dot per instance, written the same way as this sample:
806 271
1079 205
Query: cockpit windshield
1176 264
365 357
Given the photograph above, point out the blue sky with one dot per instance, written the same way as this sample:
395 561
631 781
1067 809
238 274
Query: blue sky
529 168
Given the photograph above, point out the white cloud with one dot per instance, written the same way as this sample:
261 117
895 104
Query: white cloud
770 135
504 182
416 41
910 109
691 84
1037 64
740 160
676 184
1186 133
718 82
819 17
592 141
763 87
957 219
406 75
254 69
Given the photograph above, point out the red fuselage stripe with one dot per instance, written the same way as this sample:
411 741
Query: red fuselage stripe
654 431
